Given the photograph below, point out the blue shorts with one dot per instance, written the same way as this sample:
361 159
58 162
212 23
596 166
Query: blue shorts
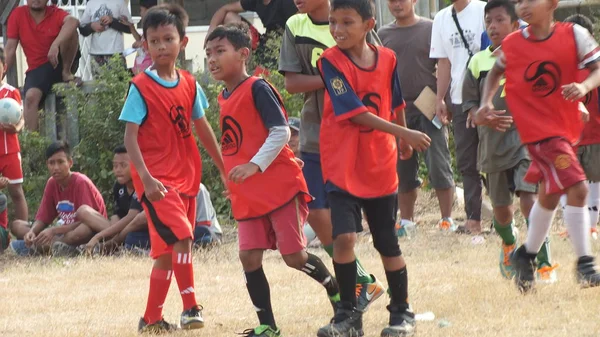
314 179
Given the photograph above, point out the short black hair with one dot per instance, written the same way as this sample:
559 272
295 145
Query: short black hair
238 34
56 147
120 149
166 14
583 21
364 8
148 3
506 4
2 58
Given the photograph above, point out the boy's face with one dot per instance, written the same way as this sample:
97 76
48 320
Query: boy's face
308 6
224 62
2 69
121 168
164 44
348 28
59 165
535 11
402 9
498 25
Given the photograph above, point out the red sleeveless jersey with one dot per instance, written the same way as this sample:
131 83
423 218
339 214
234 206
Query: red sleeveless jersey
165 137
242 135
535 72
591 130
10 141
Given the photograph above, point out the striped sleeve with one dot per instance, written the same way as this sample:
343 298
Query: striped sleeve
588 50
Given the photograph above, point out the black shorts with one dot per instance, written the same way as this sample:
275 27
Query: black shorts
346 213
45 76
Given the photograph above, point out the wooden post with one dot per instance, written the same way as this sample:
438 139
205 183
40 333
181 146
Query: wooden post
50 117
11 76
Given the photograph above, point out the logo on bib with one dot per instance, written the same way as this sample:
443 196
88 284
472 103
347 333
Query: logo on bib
339 88
371 101
544 77
562 161
177 115
231 136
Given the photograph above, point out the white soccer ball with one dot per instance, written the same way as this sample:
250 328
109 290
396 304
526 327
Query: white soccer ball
10 111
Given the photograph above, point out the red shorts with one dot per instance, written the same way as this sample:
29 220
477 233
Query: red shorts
10 167
281 229
170 220
555 161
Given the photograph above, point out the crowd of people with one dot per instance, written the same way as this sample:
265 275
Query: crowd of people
519 88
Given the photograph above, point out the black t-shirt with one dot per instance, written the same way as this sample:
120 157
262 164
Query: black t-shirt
124 201
274 15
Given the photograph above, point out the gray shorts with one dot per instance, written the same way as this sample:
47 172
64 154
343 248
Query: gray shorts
503 185
437 158
589 157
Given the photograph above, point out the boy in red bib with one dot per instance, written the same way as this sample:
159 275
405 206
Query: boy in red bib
268 192
161 105
359 155
543 91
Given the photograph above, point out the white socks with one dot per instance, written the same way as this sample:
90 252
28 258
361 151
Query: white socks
577 220
540 220
594 203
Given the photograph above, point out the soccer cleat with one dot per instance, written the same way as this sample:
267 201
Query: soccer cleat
367 293
155 328
546 274
192 318
61 249
347 322
506 268
524 267
19 247
400 230
587 276
447 224
402 323
261 331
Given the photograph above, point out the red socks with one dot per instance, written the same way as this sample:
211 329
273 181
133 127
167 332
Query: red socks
160 280
184 273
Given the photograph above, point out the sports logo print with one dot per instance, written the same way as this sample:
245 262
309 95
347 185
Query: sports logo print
231 136
544 76
339 88
371 101
562 162
177 115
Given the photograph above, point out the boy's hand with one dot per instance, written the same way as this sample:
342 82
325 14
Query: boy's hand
441 111
417 140
406 151
154 189
45 237
124 20
9 128
486 115
29 238
98 27
574 91
106 20
470 121
242 172
299 162
3 182
89 247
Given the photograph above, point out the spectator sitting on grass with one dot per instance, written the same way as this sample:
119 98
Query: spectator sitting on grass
208 230
4 234
69 196
128 223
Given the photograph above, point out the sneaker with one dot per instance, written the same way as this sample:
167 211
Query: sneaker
524 266
61 249
447 224
192 318
19 247
261 331
406 228
347 322
546 274
155 328
587 275
506 269
367 293
594 233
402 323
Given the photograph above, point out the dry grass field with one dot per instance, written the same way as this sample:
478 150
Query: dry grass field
457 281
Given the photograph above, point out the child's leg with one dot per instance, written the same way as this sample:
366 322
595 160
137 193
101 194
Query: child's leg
540 219
577 218
594 202
527 200
92 218
160 280
184 272
499 189
18 198
258 286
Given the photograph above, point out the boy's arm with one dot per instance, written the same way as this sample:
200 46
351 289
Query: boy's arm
114 229
588 55
70 24
438 52
493 118
205 132
298 83
219 17
138 223
471 95
291 67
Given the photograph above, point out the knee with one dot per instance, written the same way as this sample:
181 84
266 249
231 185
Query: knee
503 214
345 242
386 244
251 259
32 98
83 212
232 17
296 260
578 194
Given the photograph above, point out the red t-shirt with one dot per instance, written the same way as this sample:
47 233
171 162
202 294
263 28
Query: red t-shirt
356 159
591 130
63 203
10 141
35 38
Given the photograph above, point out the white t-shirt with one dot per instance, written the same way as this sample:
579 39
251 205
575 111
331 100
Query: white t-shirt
447 43
110 41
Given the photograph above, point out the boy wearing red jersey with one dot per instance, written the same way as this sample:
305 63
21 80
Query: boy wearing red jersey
541 64
359 156
161 105
268 192
10 152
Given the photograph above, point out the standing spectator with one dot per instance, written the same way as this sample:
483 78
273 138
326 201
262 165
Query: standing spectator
48 36
455 37
272 13
142 58
105 21
410 37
